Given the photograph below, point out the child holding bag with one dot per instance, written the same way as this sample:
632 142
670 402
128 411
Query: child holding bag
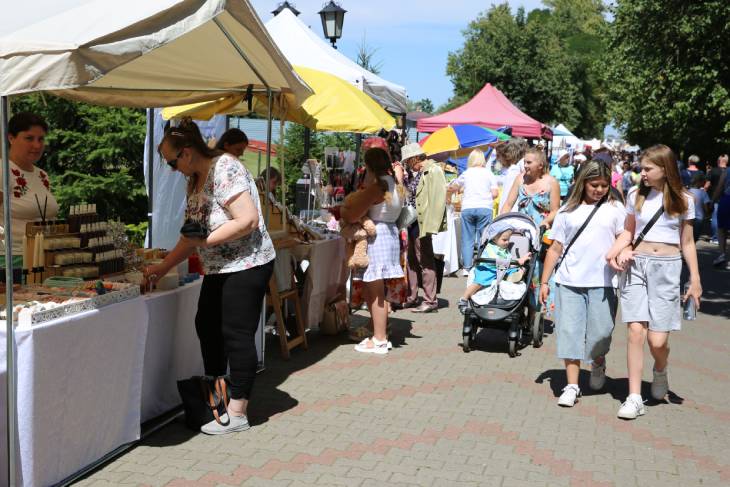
658 224
584 230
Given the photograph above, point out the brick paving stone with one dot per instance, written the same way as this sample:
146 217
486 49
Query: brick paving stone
428 414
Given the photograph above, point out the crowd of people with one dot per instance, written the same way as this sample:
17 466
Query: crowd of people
616 228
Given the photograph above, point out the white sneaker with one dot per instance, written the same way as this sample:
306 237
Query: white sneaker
719 260
632 407
598 377
570 395
231 424
465 272
660 385
377 347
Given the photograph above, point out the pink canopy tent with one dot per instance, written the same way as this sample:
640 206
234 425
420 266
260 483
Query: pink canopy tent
489 108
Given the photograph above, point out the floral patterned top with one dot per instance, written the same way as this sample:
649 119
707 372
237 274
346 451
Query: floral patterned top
30 196
228 178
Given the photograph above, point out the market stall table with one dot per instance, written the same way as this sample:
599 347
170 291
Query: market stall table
79 390
172 350
326 276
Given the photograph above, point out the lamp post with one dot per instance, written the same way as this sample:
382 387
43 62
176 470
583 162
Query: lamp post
332 17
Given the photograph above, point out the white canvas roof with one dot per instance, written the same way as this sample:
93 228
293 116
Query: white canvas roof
303 47
143 52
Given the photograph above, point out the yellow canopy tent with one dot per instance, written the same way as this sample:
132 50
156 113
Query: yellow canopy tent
336 106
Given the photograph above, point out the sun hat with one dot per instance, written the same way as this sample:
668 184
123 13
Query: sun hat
411 150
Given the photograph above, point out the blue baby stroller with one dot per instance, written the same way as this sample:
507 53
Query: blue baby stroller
508 306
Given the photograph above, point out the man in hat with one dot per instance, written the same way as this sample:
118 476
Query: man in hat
427 185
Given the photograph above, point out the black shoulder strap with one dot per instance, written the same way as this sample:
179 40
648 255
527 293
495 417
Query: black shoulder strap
648 226
580 230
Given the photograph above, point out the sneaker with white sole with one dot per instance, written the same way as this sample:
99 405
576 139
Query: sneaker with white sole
464 272
632 407
660 384
570 395
598 377
719 260
231 424
373 345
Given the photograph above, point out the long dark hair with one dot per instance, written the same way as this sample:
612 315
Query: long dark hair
590 170
185 135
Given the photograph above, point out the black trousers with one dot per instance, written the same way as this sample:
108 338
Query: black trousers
228 316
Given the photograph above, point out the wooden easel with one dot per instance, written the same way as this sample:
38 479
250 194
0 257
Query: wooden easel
276 299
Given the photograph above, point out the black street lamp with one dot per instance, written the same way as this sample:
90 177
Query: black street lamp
284 5
332 17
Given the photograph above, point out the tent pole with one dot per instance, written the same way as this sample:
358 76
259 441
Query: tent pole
150 172
268 157
9 335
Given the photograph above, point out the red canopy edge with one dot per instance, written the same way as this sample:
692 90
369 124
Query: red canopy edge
489 108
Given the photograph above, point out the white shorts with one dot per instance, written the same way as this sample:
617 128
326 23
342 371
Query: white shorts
650 292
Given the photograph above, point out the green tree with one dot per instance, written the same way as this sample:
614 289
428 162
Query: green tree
668 63
423 105
366 57
523 59
543 61
94 154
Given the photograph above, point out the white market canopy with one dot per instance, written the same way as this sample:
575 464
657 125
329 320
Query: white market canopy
302 47
144 53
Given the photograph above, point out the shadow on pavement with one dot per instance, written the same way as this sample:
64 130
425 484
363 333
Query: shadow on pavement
617 388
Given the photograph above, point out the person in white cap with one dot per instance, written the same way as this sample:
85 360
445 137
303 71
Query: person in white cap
427 185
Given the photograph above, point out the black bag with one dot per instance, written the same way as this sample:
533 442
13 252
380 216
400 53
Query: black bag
202 399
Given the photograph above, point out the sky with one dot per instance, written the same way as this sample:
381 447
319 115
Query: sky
412 37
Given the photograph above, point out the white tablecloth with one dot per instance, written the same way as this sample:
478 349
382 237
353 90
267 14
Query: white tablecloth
326 275
172 351
448 243
79 390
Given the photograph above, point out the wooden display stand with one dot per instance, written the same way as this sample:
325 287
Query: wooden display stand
275 299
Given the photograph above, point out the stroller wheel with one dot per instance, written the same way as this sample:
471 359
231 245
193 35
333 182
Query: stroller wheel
538 329
514 342
466 345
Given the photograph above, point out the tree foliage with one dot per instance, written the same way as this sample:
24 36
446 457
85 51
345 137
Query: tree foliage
668 61
423 105
93 153
544 61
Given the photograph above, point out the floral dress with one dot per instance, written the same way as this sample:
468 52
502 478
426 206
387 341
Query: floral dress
537 207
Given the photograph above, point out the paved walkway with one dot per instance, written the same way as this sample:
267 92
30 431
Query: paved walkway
429 414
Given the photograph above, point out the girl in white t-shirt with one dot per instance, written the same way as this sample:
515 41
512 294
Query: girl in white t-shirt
650 294
586 300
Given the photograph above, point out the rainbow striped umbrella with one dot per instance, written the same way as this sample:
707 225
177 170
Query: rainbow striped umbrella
458 138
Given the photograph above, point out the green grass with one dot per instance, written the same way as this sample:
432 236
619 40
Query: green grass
251 161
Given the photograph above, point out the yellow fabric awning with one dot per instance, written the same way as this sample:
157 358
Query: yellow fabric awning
336 106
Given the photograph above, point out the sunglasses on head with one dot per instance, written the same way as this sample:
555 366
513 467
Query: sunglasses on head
173 162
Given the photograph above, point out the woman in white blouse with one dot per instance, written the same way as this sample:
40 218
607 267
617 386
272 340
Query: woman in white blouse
30 188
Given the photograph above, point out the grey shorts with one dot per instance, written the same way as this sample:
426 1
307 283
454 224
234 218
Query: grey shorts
584 321
650 292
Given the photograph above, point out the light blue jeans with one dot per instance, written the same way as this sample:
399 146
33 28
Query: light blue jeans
473 223
584 321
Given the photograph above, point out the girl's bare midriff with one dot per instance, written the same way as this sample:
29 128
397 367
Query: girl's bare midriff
657 248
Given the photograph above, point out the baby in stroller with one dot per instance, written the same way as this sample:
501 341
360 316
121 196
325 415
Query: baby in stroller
485 273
